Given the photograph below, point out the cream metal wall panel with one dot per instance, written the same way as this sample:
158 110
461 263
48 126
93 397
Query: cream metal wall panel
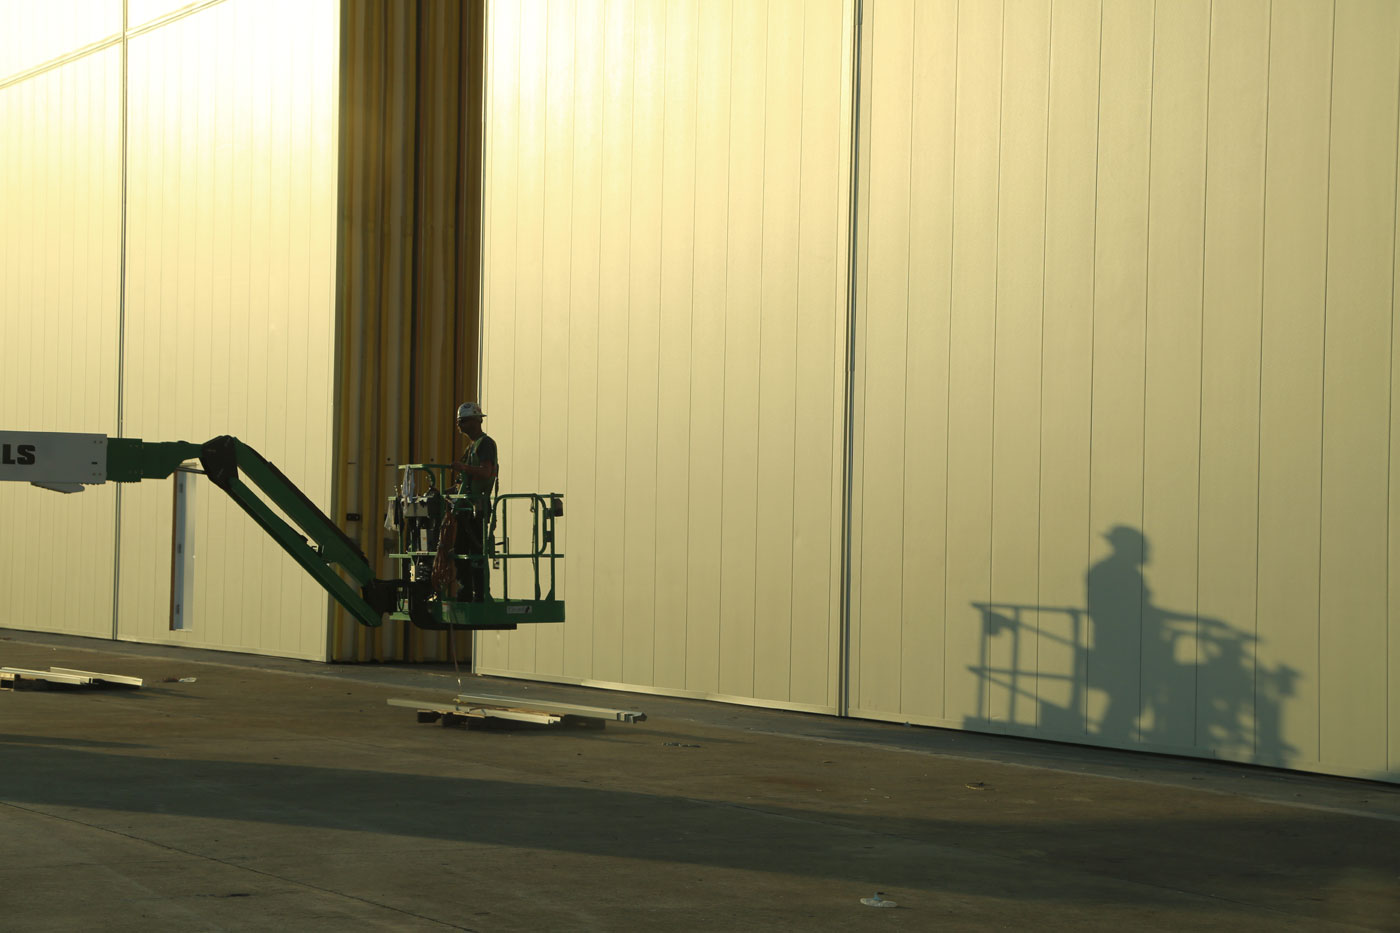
1123 399
820 357
694 318
141 13
229 312
1352 649
500 218
972 339
1175 221
744 293
932 36
585 360
1020 289
883 480
640 467
1176 259
553 447
524 461
1115 593
1067 340
679 155
714 35
1230 329
777 343
60 261
33 35
1291 367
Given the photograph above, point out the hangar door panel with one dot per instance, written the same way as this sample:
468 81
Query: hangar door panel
664 313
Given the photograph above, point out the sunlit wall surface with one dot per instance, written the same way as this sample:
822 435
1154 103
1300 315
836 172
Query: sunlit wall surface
34 35
227 187
663 314
229 315
1126 375
1122 405
60 280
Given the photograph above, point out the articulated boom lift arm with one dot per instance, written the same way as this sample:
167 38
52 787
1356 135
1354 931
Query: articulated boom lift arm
68 462
228 462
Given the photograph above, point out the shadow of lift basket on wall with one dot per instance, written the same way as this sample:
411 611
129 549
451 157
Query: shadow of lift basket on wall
1037 668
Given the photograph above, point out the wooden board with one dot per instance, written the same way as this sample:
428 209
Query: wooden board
121 679
514 709
11 677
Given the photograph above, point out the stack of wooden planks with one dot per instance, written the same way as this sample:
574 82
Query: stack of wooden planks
14 677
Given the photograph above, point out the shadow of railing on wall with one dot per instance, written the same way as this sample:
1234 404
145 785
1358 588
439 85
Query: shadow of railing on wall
1121 671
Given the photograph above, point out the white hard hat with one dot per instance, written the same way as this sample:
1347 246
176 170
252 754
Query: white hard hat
469 410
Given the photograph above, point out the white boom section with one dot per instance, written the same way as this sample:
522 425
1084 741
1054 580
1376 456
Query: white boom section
65 462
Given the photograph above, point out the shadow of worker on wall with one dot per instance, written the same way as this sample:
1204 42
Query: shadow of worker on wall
1158 678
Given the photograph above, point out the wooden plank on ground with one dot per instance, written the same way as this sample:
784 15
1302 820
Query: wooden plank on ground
572 709
429 711
10 676
516 709
121 679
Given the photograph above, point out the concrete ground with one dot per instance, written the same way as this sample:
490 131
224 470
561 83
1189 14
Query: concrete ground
274 794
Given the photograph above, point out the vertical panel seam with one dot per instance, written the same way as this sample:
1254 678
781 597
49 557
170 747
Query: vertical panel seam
1322 426
796 335
627 320
724 347
843 661
1390 427
1093 321
758 392
515 285
544 235
908 260
1040 397
1146 297
661 311
690 372
985 689
1259 398
598 313
569 305
948 362
121 315
1201 374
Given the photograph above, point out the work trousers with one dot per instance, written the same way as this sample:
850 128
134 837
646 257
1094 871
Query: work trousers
472 575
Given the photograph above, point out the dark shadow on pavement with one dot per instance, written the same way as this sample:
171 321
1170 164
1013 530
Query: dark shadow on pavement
1249 859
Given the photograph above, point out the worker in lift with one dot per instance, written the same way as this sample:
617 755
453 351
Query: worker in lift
476 479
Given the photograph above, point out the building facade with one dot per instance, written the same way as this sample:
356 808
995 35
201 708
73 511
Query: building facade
1020 366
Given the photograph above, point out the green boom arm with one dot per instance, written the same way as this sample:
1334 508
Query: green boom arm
228 462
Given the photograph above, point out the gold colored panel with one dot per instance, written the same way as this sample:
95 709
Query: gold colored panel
1172 393
1352 666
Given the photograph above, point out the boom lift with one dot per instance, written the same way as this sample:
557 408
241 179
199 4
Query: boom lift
68 462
